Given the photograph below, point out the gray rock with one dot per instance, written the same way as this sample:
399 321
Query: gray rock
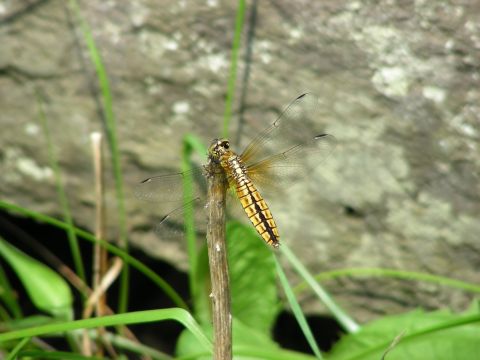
398 82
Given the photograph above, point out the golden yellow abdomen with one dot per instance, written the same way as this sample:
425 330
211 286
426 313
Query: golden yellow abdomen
258 212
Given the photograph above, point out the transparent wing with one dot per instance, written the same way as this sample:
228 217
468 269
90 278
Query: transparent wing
173 205
170 187
294 163
175 196
292 145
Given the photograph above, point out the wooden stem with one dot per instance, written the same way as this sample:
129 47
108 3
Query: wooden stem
100 266
217 255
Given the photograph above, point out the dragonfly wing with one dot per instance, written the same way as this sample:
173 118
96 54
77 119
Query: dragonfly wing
173 226
292 165
290 146
176 196
170 187
296 126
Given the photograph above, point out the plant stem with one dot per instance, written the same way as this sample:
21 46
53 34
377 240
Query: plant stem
217 257
100 258
100 255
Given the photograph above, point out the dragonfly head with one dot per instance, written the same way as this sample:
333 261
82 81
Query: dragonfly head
218 148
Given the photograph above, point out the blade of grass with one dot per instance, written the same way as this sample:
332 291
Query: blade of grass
297 311
50 355
110 126
138 317
162 284
62 197
340 315
21 344
191 144
232 78
394 273
4 315
251 24
121 342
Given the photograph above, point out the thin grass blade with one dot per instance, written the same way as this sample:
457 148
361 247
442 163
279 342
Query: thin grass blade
340 315
62 196
297 311
232 77
110 126
140 317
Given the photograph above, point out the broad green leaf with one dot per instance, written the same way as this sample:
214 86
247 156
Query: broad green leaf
252 278
7 296
188 346
244 336
438 335
47 290
149 273
248 344
253 293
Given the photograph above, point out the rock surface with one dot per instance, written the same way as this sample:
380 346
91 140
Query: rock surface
399 87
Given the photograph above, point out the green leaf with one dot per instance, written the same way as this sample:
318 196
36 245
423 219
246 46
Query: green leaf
253 291
8 298
248 344
188 346
252 278
245 335
149 273
437 336
47 290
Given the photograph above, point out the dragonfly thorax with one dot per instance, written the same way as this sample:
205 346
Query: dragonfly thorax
218 149
220 152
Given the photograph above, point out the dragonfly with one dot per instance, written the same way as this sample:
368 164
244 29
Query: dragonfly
276 158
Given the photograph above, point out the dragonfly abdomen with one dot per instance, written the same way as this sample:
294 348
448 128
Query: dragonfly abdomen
258 212
252 202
